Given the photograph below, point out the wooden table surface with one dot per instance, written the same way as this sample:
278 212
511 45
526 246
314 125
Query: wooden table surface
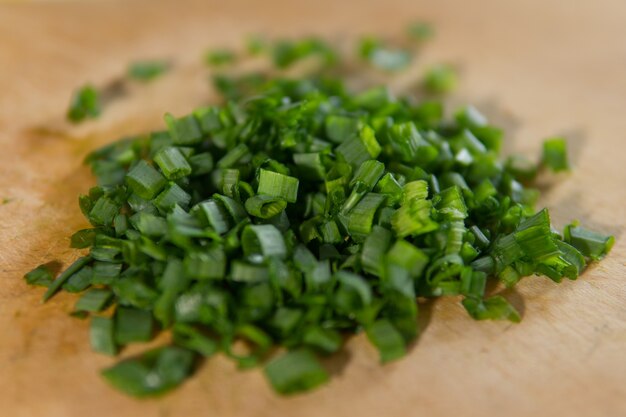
539 67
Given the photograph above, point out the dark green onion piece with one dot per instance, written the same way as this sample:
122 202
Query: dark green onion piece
103 212
144 180
359 220
387 340
374 249
295 371
173 195
132 325
201 163
40 276
153 373
208 263
83 239
94 300
65 275
212 214
191 338
299 211
80 281
420 31
184 130
493 308
324 340
310 165
591 244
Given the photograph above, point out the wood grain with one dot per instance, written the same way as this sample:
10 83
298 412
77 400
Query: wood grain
540 67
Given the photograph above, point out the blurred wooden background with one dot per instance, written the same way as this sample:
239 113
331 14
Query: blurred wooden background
539 67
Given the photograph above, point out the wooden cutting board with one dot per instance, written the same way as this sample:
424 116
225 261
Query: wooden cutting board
538 67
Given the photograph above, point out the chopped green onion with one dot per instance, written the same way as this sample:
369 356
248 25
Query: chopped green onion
144 180
102 335
265 206
233 156
80 281
300 210
172 162
184 131
494 308
220 57
191 338
85 104
374 248
103 212
65 275
278 185
440 79
201 164
387 340
132 325
40 276
359 149
360 219
206 264
94 300
173 195
263 241
324 340
420 31
555 154
153 373
147 70
407 256
413 219
310 165
295 371
212 214
83 239
591 244
341 128
382 57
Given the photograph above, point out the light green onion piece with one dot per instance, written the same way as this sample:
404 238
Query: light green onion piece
263 241
555 154
102 335
278 185
265 206
172 162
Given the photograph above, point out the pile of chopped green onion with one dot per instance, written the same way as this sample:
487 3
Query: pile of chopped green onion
270 227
